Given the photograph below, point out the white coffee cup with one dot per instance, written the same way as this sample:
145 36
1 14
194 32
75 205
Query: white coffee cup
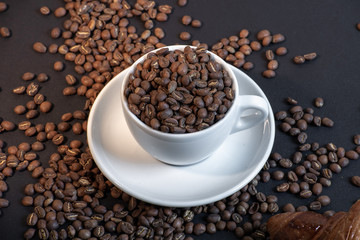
190 148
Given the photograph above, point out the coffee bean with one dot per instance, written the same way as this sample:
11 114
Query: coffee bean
327 122
324 200
32 114
39 47
356 139
281 51
186 20
277 38
5 32
294 187
181 3
196 23
283 187
27 201
325 182
310 56
269 73
28 76
262 34
305 194
355 180
315 206
31 219
273 64
352 155
317 189
55 32
19 90
285 163
299 59
185 36
319 102
7 125
44 10
277 175
69 91
32 89
60 12
289 208
302 137
45 106
3 7
59 66
280 115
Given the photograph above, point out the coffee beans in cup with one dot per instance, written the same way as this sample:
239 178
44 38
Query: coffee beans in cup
179 91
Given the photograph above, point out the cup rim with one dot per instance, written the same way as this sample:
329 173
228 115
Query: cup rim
169 135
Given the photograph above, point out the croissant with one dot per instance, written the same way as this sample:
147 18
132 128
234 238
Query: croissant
315 226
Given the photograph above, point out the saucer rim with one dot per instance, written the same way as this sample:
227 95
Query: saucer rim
182 203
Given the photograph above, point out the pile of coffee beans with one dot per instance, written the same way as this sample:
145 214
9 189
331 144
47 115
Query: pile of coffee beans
179 91
70 198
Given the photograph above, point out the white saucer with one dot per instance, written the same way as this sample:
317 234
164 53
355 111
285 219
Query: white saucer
130 168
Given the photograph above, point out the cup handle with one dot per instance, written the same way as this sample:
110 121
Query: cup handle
250 102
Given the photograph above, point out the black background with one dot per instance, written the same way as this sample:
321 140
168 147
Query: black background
327 27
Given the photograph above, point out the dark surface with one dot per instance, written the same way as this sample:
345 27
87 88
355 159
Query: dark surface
326 27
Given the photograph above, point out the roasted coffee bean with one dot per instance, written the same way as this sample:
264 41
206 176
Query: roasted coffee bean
299 59
39 47
273 65
319 102
44 10
3 7
277 38
5 32
181 3
7 125
294 187
45 106
327 122
186 20
196 23
281 51
32 89
28 76
305 194
310 56
60 12
27 201
285 163
185 36
270 73
283 187
31 219
355 180
281 115
317 189
262 34
289 208
59 66
352 155
315 205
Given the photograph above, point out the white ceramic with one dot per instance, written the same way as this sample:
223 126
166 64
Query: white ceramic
130 168
190 148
